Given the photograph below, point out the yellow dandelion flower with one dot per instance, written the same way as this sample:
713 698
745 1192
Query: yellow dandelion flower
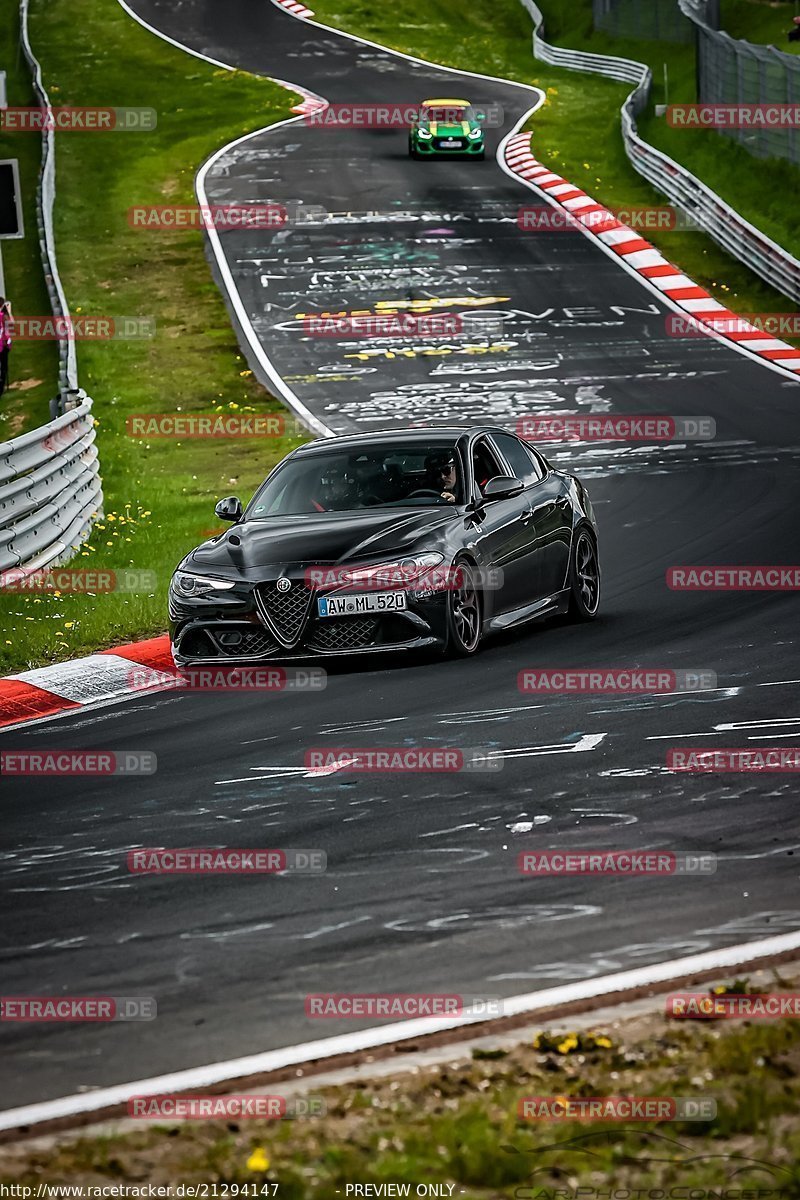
258 1160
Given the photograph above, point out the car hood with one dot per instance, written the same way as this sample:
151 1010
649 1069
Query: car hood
267 546
450 128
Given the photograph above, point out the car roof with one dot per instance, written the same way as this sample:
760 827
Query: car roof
380 437
425 103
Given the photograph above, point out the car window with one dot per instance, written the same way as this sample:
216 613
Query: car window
522 462
346 479
485 463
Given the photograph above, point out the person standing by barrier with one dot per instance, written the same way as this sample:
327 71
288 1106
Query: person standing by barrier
6 322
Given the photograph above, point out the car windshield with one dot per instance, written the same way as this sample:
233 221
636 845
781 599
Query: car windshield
446 114
379 476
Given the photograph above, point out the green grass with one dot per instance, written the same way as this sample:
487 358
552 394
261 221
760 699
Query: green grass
762 21
577 130
458 1124
33 366
159 496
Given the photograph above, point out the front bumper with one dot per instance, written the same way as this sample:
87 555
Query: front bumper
253 625
432 150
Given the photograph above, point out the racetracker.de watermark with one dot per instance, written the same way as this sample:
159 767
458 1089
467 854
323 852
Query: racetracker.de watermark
379 325
616 862
97 763
773 324
733 116
616 680
87 582
78 1008
614 427
742 578
166 218
197 425
225 1108
393 759
48 328
362 325
390 115
542 218
192 860
617 1108
730 760
760 1006
65 118
231 679
400 577
399 1005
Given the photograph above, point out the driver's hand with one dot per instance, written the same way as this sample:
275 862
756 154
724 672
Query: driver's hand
449 497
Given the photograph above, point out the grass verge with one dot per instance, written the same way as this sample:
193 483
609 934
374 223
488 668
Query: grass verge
577 130
159 495
765 22
458 1126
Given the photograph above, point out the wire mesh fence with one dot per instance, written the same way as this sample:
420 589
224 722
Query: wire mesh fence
738 72
652 20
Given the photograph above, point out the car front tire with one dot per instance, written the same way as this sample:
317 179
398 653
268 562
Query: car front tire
464 615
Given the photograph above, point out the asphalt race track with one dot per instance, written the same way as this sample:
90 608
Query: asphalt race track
422 892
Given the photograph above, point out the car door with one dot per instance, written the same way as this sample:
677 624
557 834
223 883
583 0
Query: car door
502 537
549 525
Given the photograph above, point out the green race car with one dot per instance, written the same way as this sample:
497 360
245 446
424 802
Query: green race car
444 128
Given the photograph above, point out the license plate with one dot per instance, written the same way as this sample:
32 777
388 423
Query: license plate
451 144
345 606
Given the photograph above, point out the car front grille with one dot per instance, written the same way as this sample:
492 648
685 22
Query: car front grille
345 633
286 610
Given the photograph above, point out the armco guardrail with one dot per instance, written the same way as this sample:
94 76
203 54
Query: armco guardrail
50 491
45 198
775 265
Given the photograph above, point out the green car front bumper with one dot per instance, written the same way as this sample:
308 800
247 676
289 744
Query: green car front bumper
443 146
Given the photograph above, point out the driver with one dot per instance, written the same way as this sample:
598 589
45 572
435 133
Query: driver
335 490
442 471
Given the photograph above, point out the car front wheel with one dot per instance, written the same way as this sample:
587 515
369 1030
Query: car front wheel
463 612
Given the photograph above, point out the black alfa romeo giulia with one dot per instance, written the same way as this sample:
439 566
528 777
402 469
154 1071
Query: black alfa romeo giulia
386 541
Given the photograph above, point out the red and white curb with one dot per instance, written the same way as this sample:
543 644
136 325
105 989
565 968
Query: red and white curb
297 10
310 102
109 675
643 258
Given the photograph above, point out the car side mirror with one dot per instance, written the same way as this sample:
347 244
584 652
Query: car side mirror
480 116
229 509
501 487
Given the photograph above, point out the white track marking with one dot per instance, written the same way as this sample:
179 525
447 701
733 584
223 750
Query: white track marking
197 1078
587 741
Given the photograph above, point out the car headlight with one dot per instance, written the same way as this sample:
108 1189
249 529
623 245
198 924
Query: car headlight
424 134
400 572
474 134
184 583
